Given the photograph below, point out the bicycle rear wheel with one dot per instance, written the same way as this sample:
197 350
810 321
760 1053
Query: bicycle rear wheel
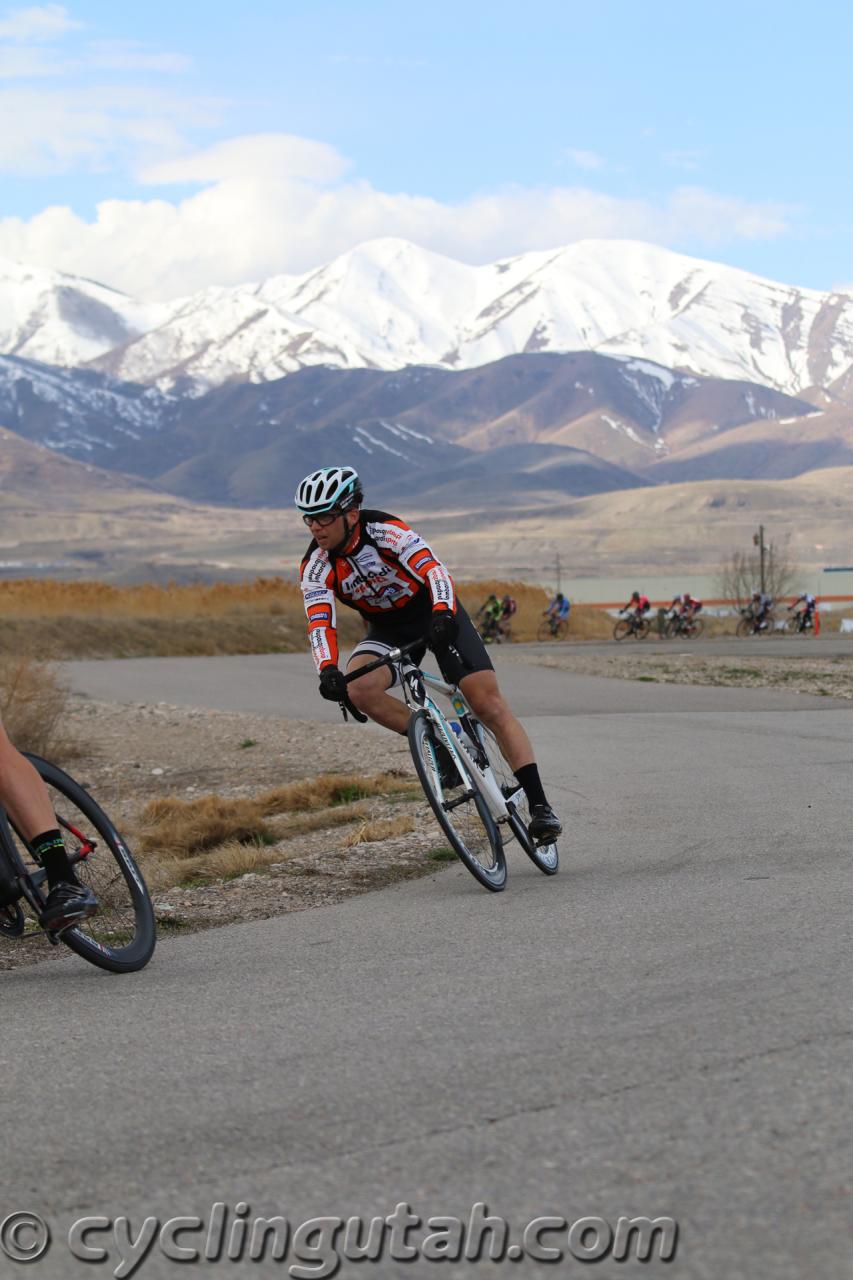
642 629
121 937
461 811
544 856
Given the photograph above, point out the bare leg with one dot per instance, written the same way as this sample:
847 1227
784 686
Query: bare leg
370 695
489 705
22 792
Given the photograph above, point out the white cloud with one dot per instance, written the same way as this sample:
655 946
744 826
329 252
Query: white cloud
41 22
585 159
274 203
92 129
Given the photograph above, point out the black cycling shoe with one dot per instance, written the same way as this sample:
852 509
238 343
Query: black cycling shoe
67 903
544 825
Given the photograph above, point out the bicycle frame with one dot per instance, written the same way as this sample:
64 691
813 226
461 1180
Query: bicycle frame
414 684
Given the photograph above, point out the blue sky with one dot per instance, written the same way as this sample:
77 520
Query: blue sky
162 147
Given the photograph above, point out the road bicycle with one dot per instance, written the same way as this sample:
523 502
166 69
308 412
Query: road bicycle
749 624
122 935
799 622
635 625
471 789
684 628
553 629
495 630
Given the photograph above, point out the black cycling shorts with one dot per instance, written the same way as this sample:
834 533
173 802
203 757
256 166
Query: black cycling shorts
466 654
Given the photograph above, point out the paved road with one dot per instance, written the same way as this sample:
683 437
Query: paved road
664 1028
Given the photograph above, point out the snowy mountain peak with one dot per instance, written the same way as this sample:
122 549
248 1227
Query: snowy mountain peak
388 303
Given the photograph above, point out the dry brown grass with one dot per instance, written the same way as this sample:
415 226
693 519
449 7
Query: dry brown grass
174 828
33 702
378 829
96 619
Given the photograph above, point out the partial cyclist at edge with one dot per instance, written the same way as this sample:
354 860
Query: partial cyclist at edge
375 563
25 798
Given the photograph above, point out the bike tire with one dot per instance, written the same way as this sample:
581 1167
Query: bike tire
697 626
672 629
642 629
470 827
543 632
622 629
562 629
126 910
793 626
744 628
545 857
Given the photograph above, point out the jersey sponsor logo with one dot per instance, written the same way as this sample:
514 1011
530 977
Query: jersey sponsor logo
315 595
317 569
421 559
441 587
374 582
320 614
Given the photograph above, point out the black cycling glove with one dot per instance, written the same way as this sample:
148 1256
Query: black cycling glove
333 685
443 629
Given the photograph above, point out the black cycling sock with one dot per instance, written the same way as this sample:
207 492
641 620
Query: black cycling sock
528 776
49 849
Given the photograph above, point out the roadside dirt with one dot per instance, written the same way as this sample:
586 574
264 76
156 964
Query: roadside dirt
826 677
128 755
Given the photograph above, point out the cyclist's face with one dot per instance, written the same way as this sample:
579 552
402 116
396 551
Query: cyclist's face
330 532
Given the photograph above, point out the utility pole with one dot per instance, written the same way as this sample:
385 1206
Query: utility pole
559 583
758 541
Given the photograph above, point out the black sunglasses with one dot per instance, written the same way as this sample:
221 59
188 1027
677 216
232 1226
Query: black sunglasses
322 521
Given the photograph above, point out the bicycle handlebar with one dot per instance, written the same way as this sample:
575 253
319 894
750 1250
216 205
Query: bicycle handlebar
393 655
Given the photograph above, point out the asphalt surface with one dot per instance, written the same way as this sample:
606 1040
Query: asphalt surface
662 1029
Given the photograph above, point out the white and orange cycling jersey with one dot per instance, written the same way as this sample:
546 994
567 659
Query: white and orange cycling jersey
386 571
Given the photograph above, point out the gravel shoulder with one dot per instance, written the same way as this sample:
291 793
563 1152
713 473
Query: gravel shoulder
824 676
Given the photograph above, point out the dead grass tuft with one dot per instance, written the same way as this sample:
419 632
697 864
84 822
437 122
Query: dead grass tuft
378 829
185 837
185 827
33 702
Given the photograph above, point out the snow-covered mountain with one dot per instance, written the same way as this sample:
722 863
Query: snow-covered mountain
66 320
387 304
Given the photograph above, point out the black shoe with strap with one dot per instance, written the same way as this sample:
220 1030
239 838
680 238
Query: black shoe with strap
67 904
544 825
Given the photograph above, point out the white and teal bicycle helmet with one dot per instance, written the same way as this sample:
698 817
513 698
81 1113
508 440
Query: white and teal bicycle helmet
329 489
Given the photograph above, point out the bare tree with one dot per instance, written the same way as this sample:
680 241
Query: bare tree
740 575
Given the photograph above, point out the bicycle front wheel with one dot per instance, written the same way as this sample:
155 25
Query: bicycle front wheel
544 632
673 628
745 628
121 937
460 810
622 629
697 626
